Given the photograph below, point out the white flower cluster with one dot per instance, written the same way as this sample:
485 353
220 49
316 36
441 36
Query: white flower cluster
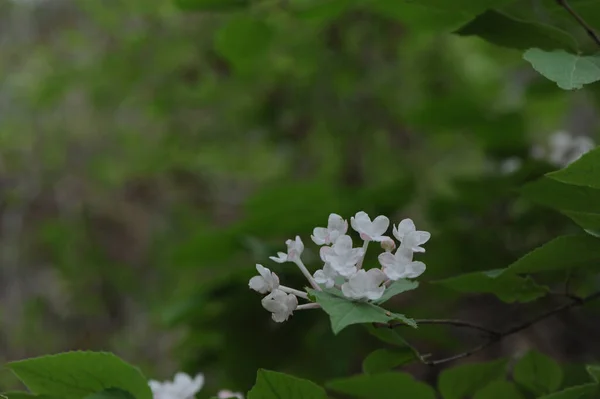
561 150
184 386
564 148
342 263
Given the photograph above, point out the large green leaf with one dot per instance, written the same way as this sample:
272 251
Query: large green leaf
111 393
381 360
569 71
562 253
382 386
503 30
577 392
396 288
73 375
344 312
464 380
580 203
387 335
539 373
583 172
467 6
211 5
508 288
499 390
274 385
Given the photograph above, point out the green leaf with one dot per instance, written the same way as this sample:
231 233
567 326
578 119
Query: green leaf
396 288
382 386
73 375
344 312
561 196
577 392
581 204
594 372
503 30
508 288
467 6
111 393
273 385
538 373
499 390
387 335
24 395
583 172
244 41
562 253
464 380
211 5
381 360
568 71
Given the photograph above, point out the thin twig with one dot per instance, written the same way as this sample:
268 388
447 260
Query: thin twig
496 337
452 322
589 30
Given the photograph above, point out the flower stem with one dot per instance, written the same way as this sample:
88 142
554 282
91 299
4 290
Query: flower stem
364 248
310 278
289 290
308 306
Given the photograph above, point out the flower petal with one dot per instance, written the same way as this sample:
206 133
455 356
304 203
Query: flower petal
387 259
258 284
415 269
379 225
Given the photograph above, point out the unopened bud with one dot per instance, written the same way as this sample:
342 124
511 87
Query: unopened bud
388 245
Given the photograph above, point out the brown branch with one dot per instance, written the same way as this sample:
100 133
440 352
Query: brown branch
493 335
450 322
589 30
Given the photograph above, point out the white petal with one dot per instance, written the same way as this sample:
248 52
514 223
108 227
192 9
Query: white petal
325 252
320 277
404 227
380 225
386 259
263 271
343 245
258 284
337 223
320 236
375 277
360 222
280 258
415 269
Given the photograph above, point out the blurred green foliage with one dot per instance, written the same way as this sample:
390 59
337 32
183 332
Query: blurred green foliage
151 156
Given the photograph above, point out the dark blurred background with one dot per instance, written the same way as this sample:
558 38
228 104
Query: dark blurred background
150 157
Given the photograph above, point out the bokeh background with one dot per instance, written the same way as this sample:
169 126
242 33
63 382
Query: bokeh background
150 157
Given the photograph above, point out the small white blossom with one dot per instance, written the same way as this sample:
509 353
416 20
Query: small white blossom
267 281
226 394
365 285
370 230
342 257
326 276
182 387
336 227
400 265
294 250
280 304
409 237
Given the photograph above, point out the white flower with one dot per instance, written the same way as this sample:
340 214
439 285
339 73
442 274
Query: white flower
409 237
370 230
267 281
280 304
326 276
400 265
365 284
342 257
336 227
182 387
226 394
294 250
